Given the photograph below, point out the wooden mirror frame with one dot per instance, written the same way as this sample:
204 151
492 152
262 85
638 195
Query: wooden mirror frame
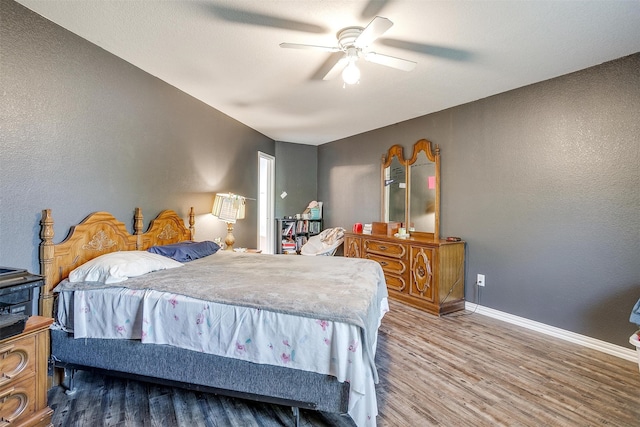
433 155
397 152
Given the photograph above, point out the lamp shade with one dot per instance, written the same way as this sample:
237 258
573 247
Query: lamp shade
228 207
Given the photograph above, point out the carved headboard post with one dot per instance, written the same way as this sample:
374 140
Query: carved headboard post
46 263
138 224
192 222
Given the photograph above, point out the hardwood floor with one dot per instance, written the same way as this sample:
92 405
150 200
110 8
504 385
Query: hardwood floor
459 370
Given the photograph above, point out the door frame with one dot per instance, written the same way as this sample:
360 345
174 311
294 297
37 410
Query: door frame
266 201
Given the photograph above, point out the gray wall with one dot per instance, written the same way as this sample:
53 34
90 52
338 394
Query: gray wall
82 130
297 174
543 183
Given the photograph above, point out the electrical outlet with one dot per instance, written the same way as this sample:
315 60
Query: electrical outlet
480 280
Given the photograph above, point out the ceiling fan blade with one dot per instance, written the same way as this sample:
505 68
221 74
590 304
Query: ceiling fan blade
326 66
337 69
373 8
429 49
375 29
252 18
390 61
309 46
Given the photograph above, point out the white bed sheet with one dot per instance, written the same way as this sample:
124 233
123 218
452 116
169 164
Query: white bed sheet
254 335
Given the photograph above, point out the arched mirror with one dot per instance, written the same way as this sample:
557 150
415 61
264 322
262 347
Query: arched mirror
411 188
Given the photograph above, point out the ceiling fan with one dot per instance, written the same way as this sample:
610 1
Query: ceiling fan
354 42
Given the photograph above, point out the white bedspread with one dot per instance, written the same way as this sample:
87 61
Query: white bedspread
257 335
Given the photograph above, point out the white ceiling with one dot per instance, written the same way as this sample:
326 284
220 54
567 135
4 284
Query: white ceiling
226 54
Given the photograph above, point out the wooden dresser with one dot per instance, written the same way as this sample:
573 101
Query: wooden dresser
23 376
422 272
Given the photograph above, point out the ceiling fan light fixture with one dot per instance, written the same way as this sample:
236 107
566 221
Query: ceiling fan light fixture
354 42
351 73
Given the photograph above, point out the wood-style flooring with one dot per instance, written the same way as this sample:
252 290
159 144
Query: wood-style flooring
458 370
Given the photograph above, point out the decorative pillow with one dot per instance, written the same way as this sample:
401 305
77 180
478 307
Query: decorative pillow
117 267
186 251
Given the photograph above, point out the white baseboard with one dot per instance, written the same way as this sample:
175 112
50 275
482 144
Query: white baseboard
605 347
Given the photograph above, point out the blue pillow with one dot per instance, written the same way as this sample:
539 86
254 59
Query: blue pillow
186 251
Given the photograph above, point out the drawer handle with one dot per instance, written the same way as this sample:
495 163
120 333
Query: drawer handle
7 420
383 248
384 263
4 379
21 365
6 350
5 394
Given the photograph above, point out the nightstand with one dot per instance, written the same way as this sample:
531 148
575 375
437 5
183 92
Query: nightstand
23 376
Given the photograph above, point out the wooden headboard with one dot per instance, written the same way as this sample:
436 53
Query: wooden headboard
98 234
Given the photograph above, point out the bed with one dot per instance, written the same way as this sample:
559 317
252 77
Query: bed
254 326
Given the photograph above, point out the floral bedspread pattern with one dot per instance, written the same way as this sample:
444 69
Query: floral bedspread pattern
264 309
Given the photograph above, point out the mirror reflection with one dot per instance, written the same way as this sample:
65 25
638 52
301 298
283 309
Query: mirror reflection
422 200
396 190
411 188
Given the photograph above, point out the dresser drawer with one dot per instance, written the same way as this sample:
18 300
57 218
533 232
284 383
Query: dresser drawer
17 359
17 402
395 283
389 249
389 265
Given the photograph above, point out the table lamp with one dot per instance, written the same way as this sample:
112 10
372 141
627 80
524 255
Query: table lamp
228 207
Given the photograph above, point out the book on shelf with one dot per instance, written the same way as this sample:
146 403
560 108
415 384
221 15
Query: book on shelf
288 244
300 241
302 226
288 230
314 227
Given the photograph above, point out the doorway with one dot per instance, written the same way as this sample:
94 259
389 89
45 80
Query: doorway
266 202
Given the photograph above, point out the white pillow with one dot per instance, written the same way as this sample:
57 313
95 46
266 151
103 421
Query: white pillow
117 267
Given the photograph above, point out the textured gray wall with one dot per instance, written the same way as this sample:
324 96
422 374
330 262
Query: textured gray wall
82 130
543 182
297 174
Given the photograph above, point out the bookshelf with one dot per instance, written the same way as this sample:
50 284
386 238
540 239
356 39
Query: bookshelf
293 233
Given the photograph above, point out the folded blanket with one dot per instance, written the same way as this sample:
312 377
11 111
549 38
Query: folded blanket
331 236
635 314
